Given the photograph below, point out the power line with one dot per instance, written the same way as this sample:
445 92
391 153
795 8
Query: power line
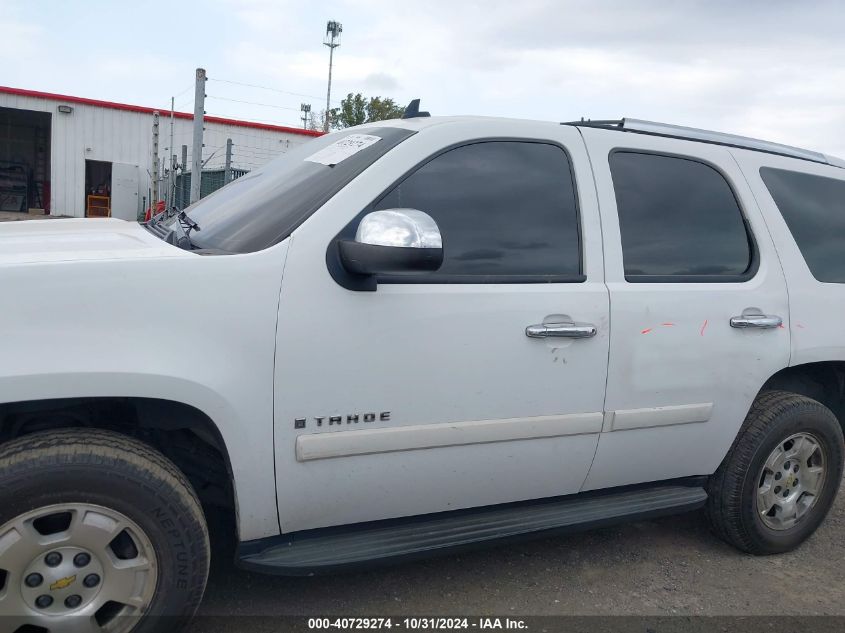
256 152
182 92
284 92
265 105
183 104
270 121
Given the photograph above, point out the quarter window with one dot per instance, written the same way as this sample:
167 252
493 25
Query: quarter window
679 220
814 210
506 210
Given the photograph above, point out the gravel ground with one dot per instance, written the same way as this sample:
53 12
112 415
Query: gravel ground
10 216
670 566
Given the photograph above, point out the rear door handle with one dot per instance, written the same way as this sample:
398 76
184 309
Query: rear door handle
753 318
561 330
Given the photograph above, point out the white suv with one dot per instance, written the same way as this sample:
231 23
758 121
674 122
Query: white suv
414 336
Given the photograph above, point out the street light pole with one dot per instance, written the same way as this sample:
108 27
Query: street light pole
332 40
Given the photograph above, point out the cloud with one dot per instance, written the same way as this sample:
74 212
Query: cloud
773 69
264 16
22 41
380 81
314 66
19 35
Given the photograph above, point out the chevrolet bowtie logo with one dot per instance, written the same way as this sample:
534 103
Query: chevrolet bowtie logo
62 583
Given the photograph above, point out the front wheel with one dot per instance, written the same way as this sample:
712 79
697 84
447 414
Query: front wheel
99 533
781 476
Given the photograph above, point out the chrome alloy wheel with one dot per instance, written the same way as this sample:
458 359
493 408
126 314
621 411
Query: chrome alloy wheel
75 568
791 481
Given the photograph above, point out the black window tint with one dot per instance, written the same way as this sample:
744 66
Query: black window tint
678 218
504 208
814 210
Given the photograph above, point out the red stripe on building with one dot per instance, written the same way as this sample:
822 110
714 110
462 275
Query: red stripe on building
36 94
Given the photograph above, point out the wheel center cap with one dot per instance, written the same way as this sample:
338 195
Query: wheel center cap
61 580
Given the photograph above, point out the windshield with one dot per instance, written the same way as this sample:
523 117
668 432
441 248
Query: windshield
262 207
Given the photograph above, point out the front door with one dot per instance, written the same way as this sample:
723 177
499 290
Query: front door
427 394
698 305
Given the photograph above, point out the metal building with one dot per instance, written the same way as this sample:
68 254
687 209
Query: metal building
70 155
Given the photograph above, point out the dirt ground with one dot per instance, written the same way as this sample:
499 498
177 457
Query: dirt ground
670 566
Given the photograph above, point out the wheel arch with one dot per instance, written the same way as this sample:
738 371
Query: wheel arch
170 426
823 381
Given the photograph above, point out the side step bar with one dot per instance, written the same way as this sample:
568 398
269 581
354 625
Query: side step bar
330 549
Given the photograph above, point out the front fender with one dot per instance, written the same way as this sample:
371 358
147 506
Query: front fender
199 330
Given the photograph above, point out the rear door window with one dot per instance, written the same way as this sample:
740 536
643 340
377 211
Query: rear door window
679 220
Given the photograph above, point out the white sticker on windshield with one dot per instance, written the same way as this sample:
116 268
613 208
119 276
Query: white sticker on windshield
342 149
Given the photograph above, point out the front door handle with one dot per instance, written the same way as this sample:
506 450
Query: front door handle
753 318
562 330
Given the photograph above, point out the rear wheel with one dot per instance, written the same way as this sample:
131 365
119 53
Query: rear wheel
98 532
780 478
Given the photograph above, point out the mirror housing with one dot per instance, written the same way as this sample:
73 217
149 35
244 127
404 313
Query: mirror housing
393 242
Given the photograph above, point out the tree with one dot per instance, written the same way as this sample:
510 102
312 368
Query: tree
352 111
317 122
356 109
379 109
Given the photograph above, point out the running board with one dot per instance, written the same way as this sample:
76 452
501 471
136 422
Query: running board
332 549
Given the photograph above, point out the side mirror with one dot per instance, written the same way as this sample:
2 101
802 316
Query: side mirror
393 241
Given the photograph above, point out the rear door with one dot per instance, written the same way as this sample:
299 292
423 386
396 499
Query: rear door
804 204
427 394
687 254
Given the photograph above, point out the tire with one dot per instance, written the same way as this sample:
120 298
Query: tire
776 423
62 483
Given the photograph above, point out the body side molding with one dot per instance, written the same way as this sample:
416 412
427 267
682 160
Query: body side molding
406 438
626 419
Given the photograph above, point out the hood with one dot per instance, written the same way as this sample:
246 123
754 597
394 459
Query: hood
80 239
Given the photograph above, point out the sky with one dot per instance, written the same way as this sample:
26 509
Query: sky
773 70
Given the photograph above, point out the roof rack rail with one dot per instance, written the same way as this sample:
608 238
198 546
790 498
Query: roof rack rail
706 136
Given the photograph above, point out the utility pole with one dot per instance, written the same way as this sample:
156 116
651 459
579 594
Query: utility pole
227 170
162 174
305 108
154 193
199 114
332 40
182 204
171 182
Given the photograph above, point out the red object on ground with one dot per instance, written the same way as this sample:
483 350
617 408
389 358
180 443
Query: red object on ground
159 209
